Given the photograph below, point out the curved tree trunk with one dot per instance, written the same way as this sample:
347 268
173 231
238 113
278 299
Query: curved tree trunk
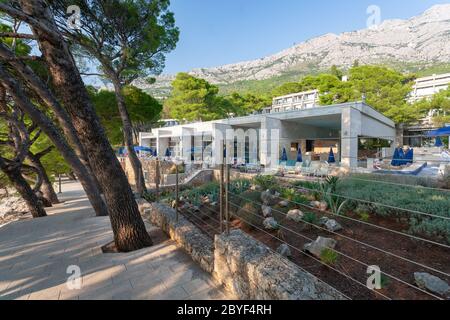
46 188
128 138
23 188
55 136
127 224
47 97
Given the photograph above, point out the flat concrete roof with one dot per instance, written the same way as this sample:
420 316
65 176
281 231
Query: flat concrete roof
326 112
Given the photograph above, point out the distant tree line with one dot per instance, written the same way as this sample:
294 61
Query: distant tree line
383 88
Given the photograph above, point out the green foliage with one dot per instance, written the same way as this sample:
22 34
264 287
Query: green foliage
361 210
132 37
239 186
329 256
328 192
266 182
294 196
142 108
195 195
311 217
196 99
440 103
247 207
244 104
399 197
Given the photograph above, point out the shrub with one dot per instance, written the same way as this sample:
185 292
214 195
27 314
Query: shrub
329 256
266 182
239 186
310 217
395 200
247 208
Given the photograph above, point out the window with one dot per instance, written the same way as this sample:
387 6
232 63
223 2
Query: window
294 146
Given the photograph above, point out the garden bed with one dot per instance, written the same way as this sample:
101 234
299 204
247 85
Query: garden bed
349 240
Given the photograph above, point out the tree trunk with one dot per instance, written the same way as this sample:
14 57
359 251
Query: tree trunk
55 136
48 98
127 224
23 188
128 137
46 188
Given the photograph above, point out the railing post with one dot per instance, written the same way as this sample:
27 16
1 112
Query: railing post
227 213
157 178
59 184
221 196
176 191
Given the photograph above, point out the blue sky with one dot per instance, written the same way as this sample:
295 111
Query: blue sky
217 32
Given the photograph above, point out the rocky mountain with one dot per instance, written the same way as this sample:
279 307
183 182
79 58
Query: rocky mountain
424 39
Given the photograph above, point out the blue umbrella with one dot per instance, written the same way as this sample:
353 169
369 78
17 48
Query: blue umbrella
438 142
141 148
331 158
395 158
284 155
155 153
122 151
401 157
409 155
167 153
442 132
299 155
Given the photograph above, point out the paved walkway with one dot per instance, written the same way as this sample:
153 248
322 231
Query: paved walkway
35 256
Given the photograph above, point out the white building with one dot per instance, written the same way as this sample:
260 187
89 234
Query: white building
426 87
296 101
262 137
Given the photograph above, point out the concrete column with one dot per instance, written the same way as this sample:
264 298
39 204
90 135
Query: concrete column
350 130
271 131
219 132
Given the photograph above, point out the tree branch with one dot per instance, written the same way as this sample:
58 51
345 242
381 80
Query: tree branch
17 35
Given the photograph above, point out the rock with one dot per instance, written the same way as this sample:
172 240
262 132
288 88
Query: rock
432 283
316 247
315 204
268 198
270 224
323 206
266 211
294 215
323 220
333 225
284 250
195 209
283 203
255 187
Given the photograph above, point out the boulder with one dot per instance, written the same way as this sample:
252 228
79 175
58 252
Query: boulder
294 215
270 224
432 283
333 225
321 205
284 250
283 203
266 211
268 198
316 247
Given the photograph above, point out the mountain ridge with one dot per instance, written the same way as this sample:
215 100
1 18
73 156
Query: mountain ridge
422 40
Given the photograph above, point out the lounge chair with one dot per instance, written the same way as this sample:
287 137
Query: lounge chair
323 170
290 167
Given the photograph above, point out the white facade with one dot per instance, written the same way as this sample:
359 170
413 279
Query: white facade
261 137
296 101
426 87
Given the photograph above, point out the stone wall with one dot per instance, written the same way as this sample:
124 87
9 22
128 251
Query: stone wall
183 232
247 268
250 270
